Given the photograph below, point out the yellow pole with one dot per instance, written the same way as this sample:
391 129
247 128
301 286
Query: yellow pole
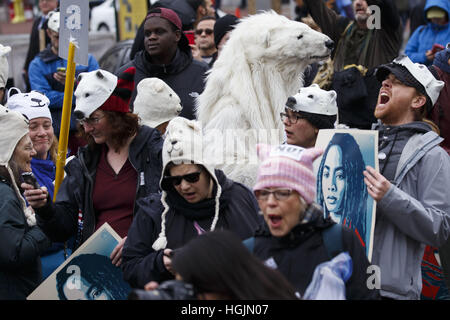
65 120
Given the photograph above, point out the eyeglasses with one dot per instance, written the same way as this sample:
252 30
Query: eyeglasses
279 194
207 31
168 181
292 119
90 121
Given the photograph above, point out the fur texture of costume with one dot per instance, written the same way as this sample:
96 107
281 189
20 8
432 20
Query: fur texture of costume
260 66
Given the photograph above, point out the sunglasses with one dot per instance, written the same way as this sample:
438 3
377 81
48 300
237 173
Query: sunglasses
279 194
169 181
207 31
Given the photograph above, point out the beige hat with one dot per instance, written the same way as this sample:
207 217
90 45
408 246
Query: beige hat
156 102
4 66
13 127
435 12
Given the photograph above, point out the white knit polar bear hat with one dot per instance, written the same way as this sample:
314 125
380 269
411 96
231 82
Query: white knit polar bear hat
13 127
32 104
183 144
156 102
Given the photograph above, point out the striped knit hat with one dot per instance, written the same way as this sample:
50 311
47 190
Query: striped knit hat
100 89
288 166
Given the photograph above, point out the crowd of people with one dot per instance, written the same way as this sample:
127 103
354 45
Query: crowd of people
135 162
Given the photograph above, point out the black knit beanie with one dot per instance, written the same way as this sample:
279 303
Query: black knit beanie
222 26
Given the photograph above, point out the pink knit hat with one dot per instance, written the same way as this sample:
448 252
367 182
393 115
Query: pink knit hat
288 166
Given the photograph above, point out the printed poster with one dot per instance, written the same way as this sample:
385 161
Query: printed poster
88 274
341 190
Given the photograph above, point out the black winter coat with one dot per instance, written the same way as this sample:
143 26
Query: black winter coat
60 220
20 249
184 75
141 264
299 252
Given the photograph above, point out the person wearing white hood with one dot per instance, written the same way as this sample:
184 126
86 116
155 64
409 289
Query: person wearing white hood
196 198
22 242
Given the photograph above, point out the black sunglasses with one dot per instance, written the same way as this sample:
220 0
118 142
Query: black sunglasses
207 31
169 181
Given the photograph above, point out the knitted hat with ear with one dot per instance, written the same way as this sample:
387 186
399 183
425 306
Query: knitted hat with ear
318 106
31 104
4 66
100 89
156 103
13 127
53 20
288 166
183 145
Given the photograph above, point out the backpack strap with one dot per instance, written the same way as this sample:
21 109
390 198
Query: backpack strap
332 239
249 244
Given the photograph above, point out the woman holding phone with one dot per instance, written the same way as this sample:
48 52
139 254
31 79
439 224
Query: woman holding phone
22 242
34 105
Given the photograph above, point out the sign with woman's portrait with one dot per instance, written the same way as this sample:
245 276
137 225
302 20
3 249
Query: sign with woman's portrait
88 274
341 190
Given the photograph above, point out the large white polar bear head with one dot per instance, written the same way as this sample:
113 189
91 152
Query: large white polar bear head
270 36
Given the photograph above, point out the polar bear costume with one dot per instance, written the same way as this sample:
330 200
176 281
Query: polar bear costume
260 66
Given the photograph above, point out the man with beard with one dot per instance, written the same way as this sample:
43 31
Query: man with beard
413 207
167 56
358 41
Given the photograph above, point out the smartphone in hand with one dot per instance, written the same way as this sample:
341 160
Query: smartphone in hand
29 178
190 36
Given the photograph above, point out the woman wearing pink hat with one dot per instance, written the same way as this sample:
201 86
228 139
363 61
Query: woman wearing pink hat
296 237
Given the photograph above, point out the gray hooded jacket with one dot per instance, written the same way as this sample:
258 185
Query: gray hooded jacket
413 213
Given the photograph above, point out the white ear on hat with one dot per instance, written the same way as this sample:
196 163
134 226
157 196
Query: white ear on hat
31 104
421 73
4 66
156 102
53 20
93 89
313 99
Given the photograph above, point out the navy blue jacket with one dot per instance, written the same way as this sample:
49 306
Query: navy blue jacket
299 253
141 264
184 75
60 220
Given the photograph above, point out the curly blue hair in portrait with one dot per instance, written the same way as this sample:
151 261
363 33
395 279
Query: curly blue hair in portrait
97 279
349 164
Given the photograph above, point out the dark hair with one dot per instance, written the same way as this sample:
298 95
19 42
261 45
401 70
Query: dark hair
123 126
99 272
218 262
196 3
206 18
355 192
15 170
